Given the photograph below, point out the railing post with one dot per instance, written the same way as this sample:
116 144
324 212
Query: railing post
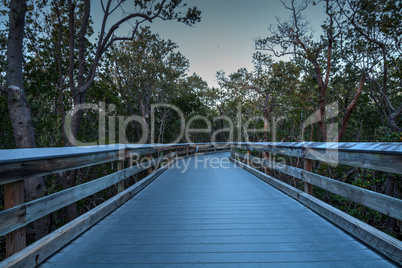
248 159
161 155
149 156
308 188
13 196
120 185
262 162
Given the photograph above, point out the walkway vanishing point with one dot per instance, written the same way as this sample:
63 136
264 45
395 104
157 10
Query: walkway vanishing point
205 210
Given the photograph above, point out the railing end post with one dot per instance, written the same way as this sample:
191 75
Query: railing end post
308 188
14 196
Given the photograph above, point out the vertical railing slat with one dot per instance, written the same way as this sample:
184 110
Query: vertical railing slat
308 188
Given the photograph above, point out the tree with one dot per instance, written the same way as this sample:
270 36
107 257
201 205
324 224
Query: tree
376 28
294 38
186 95
267 88
144 11
14 89
145 71
69 19
80 81
18 106
372 39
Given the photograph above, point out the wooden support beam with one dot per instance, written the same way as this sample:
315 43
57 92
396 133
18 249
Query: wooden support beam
14 196
267 170
149 156
308 188
120 185
160 155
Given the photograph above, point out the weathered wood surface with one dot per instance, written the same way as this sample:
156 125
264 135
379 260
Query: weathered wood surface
389 246
207 152
19 164
16 165
308 188
23 155
209 216
356 147
120 185
186 152
13 197
19 216
45 247
11 172
378 156
382 203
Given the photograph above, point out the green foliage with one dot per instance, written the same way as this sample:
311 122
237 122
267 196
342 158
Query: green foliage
150 70
392 137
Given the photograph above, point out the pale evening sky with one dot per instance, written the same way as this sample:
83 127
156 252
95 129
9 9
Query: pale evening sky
223 40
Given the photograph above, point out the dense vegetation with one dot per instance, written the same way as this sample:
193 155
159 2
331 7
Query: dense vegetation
344 87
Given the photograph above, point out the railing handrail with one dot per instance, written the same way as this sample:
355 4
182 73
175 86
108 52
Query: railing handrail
378 156
30 154
365 155
20 164
354 147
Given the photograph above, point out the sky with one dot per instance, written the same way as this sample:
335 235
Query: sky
224 39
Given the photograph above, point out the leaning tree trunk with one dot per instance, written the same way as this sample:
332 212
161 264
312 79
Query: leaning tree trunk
392 119
68 178
266 155
19 109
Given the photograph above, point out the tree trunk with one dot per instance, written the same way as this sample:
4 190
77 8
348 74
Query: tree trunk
18 106
68 178
392 119
266 120
59 60
350 108
322 100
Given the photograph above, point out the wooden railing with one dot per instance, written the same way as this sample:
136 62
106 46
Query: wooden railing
377 156
20 164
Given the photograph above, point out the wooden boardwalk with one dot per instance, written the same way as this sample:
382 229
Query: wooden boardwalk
213 213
